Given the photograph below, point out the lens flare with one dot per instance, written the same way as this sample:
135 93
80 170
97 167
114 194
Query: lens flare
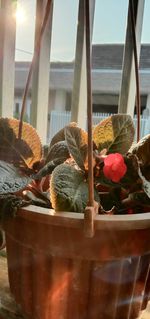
20 15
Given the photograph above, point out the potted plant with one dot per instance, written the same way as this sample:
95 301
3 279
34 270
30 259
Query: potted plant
58 267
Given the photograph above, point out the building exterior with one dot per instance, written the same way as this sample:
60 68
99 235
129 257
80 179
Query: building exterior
106 81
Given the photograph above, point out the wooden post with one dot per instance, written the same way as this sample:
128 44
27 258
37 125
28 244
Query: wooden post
7 56
128 85
79 94
40 79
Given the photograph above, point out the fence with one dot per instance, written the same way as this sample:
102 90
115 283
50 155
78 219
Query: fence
59 119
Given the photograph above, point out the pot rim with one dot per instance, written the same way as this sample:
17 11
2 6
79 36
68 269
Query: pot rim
76 220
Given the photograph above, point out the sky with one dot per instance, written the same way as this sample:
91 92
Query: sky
109 26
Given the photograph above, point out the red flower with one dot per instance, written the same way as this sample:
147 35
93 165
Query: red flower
114 167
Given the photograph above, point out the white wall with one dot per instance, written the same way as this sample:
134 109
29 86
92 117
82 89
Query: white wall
28 105
147 109
60 100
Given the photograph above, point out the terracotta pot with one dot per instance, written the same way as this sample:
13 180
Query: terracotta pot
2 239
56 272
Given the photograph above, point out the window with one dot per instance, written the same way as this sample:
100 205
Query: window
17 108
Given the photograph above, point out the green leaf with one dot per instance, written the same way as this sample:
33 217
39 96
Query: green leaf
60 136
9 204
142 150
131 177
46 170
23 152
77 143
11 179
101 179
116 134
37 201
68 189
146 184
111 198
58 151
140 197
57 155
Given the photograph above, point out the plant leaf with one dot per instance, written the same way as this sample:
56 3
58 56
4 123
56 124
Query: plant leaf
131 178
76 139
111 198
57 155
47 169
146 184
11 179
9 204
145 169
60 136
140 197
68 189
24 152
37 201
116 134
142 150
58 151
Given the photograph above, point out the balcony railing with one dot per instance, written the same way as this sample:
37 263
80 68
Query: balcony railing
59 119
40 78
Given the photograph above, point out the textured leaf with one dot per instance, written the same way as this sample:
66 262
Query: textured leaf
142 150
116 134
60 136
38 201
140 197
47 169
11 180
105 181
131 177
77 143
110 199
146 184
68 189
9 204
57 155
146 171
45 151
26 151
58 151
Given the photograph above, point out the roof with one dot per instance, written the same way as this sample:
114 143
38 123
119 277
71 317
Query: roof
106 71
104 56
110 56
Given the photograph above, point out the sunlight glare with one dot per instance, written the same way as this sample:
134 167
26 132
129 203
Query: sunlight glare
20 15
